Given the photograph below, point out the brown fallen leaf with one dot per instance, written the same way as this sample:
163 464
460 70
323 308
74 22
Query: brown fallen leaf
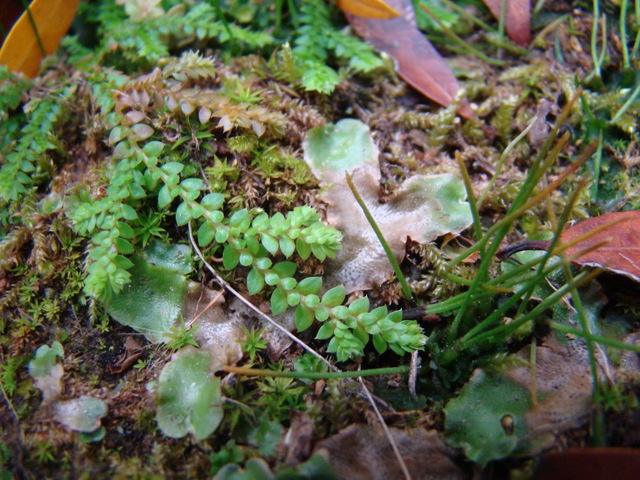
133 351
361 452
21 51
517 19
417 61
610 241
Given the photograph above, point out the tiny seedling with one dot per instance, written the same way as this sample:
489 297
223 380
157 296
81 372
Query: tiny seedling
253 342
181 336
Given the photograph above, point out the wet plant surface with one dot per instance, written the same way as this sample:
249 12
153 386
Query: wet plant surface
174 205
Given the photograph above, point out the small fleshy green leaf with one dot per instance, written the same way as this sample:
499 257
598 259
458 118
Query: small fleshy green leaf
192 184
360 306
125 230
252 243
263 263
213 201
310 285
304 318
183 214
172 168
246 259
287 246
206 234
153 149
334 297
379 343
326 331
230 257
270 244
303 248
311 301
164 197
288 283
124 246
284 269
128 212
271 278
293 299
255 281
278 301
221 235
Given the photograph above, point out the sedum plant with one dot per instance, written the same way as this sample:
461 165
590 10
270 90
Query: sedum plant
145 168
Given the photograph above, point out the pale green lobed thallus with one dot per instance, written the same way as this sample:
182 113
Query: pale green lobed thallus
82 414
423 208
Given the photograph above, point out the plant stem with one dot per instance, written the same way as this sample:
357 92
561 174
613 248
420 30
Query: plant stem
609 342
255 372
623 33
387 249
459 41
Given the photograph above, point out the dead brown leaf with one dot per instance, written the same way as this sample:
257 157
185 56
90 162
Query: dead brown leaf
417 61
517 20
361 452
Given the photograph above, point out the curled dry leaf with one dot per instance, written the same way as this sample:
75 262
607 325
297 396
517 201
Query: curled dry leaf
610 241
417 61
362 452
620 249
517 18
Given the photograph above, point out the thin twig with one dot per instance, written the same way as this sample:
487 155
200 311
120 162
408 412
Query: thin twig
209 305
226 285
387 432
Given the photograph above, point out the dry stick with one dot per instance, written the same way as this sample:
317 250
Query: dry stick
214 300
226 285
387 432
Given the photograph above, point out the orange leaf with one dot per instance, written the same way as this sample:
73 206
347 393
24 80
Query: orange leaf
20 51
619 251
517 19
610 241
417 61
368 8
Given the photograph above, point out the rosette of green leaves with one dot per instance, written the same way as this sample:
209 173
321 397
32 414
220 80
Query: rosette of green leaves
349 327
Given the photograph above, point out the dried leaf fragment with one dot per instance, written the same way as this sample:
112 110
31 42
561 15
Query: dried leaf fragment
417 61
610 241
517 19
621 252
362 452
